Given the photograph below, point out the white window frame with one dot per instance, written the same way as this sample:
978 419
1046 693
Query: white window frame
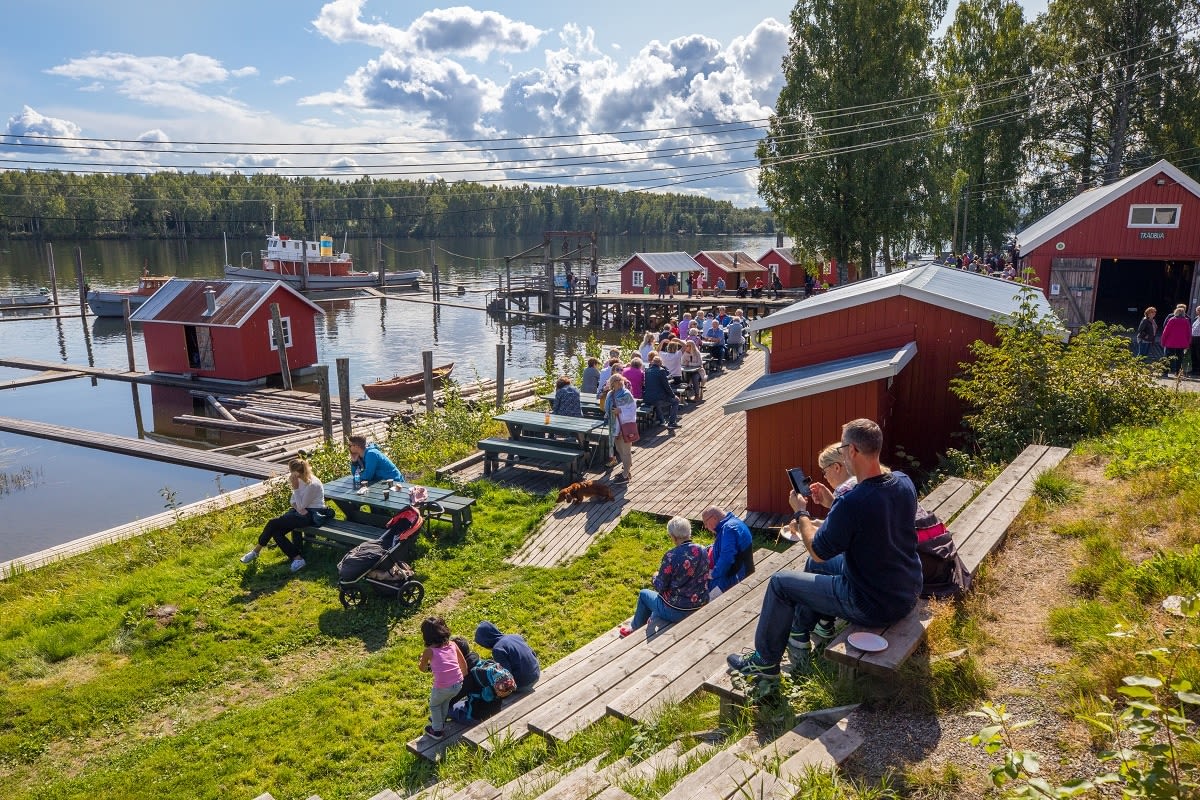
287 333
637 278
1155 208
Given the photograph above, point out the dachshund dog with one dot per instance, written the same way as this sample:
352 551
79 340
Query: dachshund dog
577 491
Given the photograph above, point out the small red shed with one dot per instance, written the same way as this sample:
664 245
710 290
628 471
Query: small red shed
883 348
1108 253
641 271
781 261
222 330
730 265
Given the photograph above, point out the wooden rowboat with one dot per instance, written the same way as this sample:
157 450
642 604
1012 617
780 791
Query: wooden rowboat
404 386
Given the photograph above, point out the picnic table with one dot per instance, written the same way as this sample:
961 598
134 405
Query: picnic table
586 433
372 508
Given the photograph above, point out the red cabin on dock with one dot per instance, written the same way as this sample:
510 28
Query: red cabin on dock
883 348
222 330
782 261
1108 253
730 265
641 271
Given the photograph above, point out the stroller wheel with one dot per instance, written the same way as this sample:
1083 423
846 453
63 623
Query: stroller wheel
351 598
410 594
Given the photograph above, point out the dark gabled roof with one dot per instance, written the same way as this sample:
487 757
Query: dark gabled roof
181 300
724 260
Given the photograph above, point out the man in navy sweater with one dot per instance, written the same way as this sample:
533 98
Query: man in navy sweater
657 392
511 651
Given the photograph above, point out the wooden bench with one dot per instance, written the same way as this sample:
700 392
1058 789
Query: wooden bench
342 533
569 459
979 528
456 510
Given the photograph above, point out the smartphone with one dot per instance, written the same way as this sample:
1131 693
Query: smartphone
800 481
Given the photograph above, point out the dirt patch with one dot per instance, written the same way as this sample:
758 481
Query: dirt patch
447 603
1018 587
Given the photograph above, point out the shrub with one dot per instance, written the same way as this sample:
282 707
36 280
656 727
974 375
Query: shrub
1030 388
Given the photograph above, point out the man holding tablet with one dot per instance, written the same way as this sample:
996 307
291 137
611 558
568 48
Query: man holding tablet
871 533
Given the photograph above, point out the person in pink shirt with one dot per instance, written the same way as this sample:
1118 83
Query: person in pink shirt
443 658
1176 338
635 373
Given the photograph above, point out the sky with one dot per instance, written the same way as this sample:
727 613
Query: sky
652 95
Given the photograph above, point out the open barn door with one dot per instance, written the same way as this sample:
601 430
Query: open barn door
1072 290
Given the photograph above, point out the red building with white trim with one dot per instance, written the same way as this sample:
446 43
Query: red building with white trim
641 270
781 261
730 265
883 348
1108 253
222 330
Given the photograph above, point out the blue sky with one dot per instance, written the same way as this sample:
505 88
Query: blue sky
141 82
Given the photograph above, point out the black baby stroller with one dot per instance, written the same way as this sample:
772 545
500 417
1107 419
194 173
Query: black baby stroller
381 566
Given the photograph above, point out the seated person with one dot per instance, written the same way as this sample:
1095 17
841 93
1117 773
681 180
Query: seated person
681 584
723 316
715 337
684 325
731 549
511 652
566 398
672 359
307 508
657 392
692 360
368 463
469 704
734 339
591 377
612 367
649 342
636 377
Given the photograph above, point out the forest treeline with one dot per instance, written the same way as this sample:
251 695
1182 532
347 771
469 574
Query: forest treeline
66 205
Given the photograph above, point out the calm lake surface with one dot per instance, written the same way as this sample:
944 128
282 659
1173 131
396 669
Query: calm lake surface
51 493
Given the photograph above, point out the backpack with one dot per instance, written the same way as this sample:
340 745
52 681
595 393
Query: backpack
945 575
495 682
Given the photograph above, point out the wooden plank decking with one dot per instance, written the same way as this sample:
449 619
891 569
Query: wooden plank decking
702 463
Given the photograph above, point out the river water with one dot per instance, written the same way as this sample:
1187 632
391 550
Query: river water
51 493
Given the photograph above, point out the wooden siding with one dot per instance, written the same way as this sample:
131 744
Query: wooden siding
1106 232
926 414
791 275
792 434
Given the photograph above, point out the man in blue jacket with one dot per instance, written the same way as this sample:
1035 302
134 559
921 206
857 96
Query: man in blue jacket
510 651
657 392
730 548
368 463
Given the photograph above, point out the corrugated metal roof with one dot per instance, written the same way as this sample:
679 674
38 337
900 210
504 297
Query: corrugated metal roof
182 300
1086 203
965 292
666 262
791 384
724 260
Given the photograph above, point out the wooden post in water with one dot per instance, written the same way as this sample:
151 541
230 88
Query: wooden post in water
304 266
343 375
427 366
500 376
433 266
137 411
53 275
379 263
277 326
125 311
81 281
326 410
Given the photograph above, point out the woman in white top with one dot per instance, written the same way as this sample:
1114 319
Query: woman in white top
672 358
308 508
649 343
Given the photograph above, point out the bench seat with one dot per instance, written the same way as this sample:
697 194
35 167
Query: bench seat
569 459
343 533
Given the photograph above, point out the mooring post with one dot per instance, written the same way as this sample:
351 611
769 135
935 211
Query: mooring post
427 365
433 267
379 264
53 275
281 346
343 375
304 267
81 281
125 311
500 376
326 409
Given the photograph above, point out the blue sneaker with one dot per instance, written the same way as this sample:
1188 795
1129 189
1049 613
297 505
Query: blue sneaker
751 666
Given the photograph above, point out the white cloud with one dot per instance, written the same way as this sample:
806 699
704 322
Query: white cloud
460 30
283 79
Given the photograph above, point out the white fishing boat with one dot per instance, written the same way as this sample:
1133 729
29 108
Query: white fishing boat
28 300
286 259
111 302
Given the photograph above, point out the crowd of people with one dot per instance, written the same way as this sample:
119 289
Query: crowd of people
1179 339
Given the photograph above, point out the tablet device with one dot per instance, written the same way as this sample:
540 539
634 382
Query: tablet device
799 481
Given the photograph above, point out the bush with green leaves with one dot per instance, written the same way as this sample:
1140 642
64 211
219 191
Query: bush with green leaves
1030 388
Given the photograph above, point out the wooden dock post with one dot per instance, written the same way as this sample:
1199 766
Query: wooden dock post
53 275
277 326
125 311
500 376
326 410
379 264
433 266
343 375
82 282
427 365
304 268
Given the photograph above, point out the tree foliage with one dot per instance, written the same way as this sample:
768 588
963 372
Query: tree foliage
1030 388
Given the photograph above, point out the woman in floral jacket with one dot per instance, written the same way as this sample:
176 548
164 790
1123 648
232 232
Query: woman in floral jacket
681 582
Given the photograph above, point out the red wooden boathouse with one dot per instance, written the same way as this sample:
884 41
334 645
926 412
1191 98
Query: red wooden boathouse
1110 252
781 261
883 348
730 265
222 330
641 270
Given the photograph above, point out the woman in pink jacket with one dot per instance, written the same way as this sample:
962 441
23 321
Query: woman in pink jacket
1176 338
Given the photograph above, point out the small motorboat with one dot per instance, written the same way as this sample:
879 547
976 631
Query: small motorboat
30 300
404 386
111 302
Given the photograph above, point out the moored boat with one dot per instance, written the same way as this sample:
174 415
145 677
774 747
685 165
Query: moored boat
111 302
284 259
405 386
27 300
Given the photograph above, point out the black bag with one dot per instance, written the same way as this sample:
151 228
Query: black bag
945 575
360 560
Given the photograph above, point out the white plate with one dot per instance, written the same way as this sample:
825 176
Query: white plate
867 642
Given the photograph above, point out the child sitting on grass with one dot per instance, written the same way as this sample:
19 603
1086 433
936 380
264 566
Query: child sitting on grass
446 662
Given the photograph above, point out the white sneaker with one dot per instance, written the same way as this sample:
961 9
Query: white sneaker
246 559
298 564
